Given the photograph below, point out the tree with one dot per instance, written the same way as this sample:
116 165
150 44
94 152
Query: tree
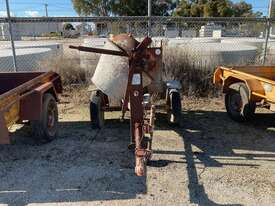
196 10
95 7
224 8
242 9
214 8
183 9
122 7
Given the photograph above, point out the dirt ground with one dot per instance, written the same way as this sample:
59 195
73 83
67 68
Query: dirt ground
209 160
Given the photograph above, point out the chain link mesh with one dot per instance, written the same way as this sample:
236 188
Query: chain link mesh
197 44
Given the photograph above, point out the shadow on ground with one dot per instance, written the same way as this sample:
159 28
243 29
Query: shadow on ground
214 134
88 165
82 165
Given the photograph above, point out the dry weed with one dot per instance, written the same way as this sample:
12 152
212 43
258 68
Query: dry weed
195 77
68 67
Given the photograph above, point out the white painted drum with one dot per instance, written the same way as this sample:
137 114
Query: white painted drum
111 75
89 60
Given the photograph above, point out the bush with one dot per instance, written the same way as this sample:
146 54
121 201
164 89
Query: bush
68 67
195 77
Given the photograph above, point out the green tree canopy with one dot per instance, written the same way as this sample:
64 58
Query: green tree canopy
214 8
122 7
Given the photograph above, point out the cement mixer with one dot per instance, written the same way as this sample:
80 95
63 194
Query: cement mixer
128 78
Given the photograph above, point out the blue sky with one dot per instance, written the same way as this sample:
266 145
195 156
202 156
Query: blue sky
64 7
37 7
258 5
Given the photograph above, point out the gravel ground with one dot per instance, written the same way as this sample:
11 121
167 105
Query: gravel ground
209 160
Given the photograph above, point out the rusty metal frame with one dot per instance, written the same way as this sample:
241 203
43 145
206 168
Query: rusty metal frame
4 132
98 50
140 125
29 85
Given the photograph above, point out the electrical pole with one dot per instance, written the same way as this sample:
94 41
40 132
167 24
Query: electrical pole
268 28
149 17
47 15
11 36
46 10
270 8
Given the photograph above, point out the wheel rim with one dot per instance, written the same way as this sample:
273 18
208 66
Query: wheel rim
236 102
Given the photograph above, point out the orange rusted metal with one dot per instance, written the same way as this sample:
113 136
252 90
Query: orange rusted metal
142 60
260 81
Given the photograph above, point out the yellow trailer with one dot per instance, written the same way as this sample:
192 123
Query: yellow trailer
245 88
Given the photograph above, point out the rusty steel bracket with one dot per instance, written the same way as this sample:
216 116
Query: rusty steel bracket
100 51
143 45
134 95
142 156
152 125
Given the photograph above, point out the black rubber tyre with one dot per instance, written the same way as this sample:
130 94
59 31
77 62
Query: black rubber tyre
237 103
174 113
45 129
96 112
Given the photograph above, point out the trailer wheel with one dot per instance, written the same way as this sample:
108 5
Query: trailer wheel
237 103
45 129
174 113
96 112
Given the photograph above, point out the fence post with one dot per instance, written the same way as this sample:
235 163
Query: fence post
11 36
268 27
149 17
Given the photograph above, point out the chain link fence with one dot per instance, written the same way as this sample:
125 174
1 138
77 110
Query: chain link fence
193 47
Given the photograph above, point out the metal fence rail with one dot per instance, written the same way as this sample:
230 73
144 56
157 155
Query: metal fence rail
198 43
135 18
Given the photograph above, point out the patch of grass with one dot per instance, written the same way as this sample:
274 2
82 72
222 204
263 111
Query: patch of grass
76 95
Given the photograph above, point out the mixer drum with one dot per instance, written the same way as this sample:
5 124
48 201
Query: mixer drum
111 74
